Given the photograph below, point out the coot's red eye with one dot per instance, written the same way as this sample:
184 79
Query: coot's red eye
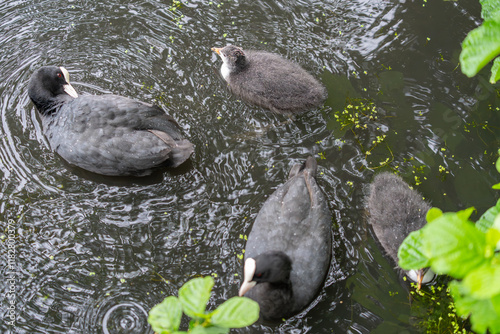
259 275
59 75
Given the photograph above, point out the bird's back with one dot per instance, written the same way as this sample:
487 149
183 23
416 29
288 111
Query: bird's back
394 211
275 83
111 135
295 219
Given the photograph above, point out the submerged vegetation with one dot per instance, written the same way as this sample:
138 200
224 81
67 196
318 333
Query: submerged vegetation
435 312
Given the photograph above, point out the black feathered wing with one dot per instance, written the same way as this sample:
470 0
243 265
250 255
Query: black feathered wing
111 135
296 220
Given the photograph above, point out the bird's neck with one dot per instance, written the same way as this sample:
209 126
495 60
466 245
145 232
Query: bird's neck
52 105
283 285
227 69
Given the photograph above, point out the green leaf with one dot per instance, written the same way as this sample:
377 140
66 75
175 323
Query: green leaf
209 330
487 219
465 214
492 239
480 47
489 8
166 316
483 282
236 312
433 213
453 245
484 313
496 304
496 223
495 76
496 186
410 253
194 296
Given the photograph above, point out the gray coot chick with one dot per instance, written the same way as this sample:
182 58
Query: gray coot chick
106 134
288 252
395 211
269 81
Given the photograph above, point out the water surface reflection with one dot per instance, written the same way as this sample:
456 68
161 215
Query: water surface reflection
92 251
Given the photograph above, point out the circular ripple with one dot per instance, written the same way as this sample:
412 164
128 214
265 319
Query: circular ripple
126 318
118 313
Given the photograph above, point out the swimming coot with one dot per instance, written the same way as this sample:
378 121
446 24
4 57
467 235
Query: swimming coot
269 81
394 211
106 134
288 251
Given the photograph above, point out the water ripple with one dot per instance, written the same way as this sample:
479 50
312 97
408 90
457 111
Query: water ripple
96 253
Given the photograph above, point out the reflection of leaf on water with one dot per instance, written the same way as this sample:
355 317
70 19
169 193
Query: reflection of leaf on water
377 283
391 80
446 124
339 90
391 88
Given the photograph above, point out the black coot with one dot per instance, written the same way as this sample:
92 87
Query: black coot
107 134
394 211
288 251
269 81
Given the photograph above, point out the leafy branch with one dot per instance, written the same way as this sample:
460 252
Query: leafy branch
453 245
482 44
237 312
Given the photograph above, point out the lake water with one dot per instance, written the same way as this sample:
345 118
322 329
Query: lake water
94 254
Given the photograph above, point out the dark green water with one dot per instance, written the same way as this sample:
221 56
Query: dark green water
90 250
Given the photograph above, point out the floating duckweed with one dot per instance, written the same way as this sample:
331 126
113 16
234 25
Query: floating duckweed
417 180
432 316
358 115
442 169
